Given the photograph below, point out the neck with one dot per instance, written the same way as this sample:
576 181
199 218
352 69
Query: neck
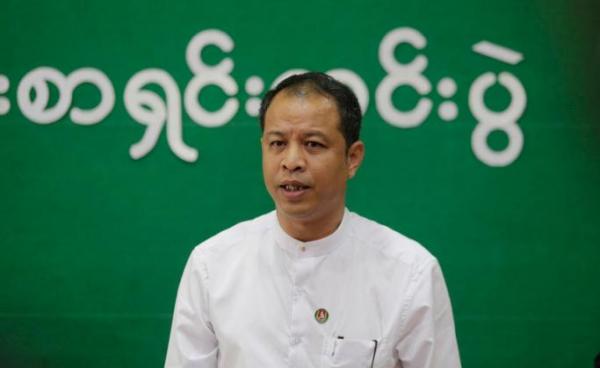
311 228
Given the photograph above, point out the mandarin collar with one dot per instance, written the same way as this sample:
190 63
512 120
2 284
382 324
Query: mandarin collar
313 248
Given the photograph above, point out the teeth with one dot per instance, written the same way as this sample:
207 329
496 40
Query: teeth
292 188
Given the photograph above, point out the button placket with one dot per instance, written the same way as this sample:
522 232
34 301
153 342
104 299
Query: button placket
296 294
295 340
300 319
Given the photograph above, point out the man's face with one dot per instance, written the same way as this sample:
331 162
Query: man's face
305 162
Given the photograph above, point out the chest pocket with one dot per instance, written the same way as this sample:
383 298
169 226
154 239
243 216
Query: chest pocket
349 353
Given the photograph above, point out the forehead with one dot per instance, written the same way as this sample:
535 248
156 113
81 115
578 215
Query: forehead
306 110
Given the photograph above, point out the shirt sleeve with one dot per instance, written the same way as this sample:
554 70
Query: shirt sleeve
428 339
192 342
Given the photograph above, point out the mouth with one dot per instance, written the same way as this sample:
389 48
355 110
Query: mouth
293 190
293 187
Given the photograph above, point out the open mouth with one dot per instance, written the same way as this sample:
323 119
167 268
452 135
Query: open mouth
293 187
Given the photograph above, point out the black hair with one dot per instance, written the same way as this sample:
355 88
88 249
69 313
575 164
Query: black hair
345 100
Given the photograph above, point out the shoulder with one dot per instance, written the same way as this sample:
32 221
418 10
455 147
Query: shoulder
238 235
389 243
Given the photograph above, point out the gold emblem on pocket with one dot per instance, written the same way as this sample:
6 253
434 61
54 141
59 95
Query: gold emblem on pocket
321 315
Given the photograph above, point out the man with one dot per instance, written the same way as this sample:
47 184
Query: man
311 284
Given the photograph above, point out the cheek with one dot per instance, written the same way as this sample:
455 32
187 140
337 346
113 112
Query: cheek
333 174
269 167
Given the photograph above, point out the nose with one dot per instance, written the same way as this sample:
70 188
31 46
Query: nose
293 159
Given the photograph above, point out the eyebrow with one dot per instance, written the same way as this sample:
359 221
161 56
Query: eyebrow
275 133
310 133
315 133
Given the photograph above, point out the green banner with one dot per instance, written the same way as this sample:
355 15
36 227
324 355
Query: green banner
129 134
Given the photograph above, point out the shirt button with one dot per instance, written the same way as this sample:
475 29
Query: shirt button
295 341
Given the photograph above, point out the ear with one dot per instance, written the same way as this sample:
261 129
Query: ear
354 157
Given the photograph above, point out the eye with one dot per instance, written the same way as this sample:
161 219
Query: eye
314 144
276 144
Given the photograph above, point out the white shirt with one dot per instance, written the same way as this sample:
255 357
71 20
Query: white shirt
248 298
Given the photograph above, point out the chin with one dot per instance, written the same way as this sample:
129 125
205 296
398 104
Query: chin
295 210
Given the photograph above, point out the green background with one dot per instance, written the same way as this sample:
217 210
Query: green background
92 242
